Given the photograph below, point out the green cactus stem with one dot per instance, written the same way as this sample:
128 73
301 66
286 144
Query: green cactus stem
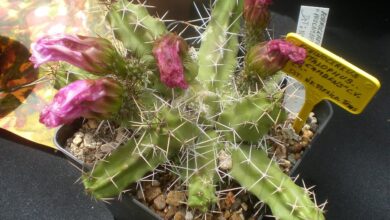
261 176
218 51
132 161
135 28
201 183
127 164
195 119
250 118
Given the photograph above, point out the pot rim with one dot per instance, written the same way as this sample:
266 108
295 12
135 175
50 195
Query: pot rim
323 112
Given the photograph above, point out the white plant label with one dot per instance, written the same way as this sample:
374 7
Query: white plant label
311 25
312 22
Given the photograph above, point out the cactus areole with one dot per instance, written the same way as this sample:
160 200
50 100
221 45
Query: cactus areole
183 104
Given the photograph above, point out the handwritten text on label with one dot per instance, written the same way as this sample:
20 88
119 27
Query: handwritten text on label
312 22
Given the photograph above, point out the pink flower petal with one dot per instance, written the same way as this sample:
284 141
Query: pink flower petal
83 98
88 53
167 52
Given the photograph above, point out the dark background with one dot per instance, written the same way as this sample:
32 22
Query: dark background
350 163
349 166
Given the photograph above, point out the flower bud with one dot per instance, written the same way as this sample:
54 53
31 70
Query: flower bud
95 55
98 99
266 59
168 52
256 13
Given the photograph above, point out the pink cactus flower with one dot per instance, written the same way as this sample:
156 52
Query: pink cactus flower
92 54
256 13
88 98
168 52
267 58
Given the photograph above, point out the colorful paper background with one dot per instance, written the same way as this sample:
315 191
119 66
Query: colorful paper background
22 22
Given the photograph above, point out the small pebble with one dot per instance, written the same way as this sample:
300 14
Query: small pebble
312 118
89 158
189 216
92 124
314 127
77 140
73 146
236 216
179 216
161 214
107 148
221 217
285 163
92 146
79 134
307 134
226 214
99 155
224 160
152 193
155 183
289 133
306 127
170 212
176 198
296 148
229 200
159 202
244 206
291 158
208 216
88 139
280 152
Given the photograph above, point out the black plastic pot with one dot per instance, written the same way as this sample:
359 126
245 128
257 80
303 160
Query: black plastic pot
129 208
323 112
124 208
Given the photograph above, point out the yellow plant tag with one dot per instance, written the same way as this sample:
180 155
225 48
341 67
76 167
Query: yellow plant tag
328 76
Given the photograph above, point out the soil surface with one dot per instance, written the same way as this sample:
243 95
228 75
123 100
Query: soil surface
163 192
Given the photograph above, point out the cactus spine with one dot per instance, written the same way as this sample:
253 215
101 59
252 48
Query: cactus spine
136 29
218 51
262 177
200 121
251 117
133 160
201 183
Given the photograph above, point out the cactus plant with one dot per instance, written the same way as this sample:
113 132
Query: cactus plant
186 107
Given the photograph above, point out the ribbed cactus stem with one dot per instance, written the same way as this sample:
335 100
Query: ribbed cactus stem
201 182
184 105
132 161
137 30
218 51
251 117
126 165
261 176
